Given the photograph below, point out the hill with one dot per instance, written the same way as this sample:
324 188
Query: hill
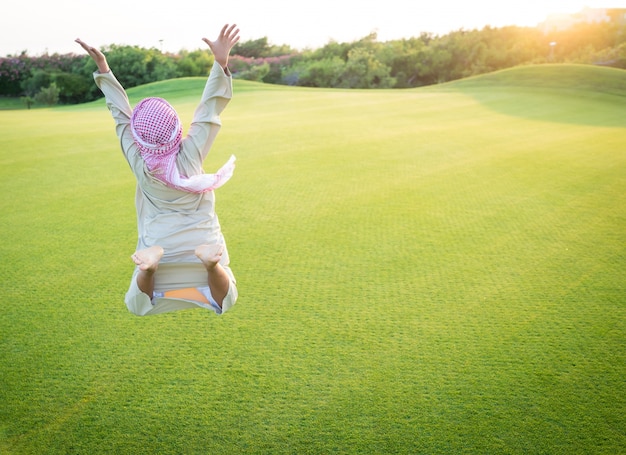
578 94
586 78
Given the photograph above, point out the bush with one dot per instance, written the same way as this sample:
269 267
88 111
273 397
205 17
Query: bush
322 73
13 70
255 73
72 87
364 70
48 96
196 63
33 84
28 101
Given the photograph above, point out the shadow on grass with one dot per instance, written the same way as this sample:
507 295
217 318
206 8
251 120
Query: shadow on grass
572 94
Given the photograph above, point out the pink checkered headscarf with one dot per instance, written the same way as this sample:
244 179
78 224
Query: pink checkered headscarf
158 134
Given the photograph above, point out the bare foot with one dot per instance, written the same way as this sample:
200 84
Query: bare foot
148 259
210 255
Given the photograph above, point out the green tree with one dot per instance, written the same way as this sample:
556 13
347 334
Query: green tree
321 73
48 96
196 63
330 50
255 73
615 57
401 57
252 48
73 88
159 66
38 80
364 70
129 63
432 65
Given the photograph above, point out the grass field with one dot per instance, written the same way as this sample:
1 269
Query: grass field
438 270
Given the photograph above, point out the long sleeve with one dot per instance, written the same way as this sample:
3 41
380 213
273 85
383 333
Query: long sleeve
206 123
119 106
116 98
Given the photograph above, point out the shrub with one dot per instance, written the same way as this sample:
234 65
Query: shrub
322 73
48 96
28 101
72 87
255 73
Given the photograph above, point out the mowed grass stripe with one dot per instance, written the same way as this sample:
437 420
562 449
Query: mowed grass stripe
420 271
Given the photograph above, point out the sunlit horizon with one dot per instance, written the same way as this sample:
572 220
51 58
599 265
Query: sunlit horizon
53 29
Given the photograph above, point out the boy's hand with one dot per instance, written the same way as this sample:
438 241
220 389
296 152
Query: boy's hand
223 44
96 55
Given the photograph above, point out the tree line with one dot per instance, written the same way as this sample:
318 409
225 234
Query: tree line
366 63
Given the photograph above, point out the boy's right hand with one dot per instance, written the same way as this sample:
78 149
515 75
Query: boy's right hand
223 44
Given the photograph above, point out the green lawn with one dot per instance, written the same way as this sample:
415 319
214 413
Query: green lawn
438 270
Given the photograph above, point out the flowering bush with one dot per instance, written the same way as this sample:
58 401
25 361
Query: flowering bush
16 69
13 71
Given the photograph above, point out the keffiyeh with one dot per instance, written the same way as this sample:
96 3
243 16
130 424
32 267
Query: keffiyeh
157 131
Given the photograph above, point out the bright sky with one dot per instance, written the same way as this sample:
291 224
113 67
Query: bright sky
44 25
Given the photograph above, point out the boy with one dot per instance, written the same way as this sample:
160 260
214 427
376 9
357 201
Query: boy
181 258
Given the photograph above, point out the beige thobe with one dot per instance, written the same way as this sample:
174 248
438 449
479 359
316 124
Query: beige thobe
176 220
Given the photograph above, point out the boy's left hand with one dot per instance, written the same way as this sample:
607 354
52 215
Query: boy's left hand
96 55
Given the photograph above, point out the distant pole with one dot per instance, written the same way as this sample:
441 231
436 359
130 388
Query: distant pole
161 43
552 46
